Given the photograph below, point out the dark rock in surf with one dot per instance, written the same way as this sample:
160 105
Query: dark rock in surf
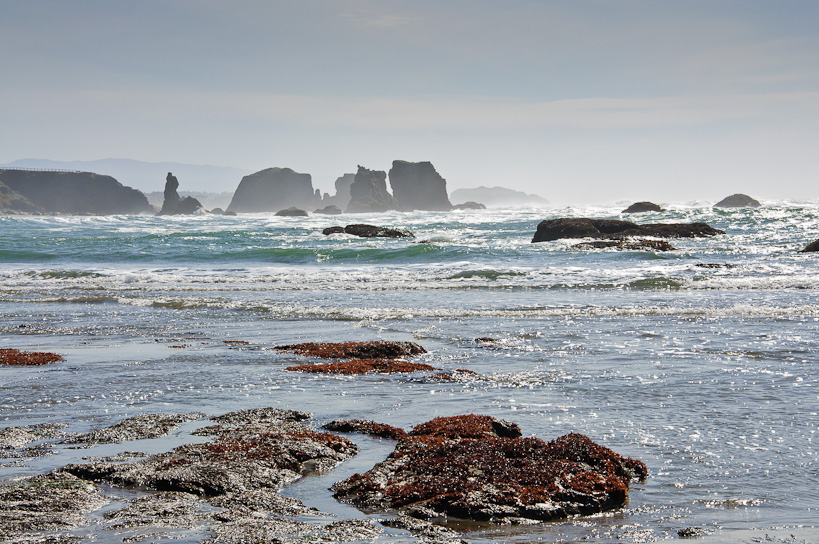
477 467
637 245
368 192
369 231
811 248
377 349
173 204
641 207
329 210
738 201
418 186
583 227
292 211
469 206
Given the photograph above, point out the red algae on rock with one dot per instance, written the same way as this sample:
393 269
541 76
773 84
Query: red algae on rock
379 349
362 366
15 357
477 467
369 427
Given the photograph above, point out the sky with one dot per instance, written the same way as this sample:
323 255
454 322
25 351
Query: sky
578 101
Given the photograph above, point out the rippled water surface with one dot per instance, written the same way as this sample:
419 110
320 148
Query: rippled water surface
701 362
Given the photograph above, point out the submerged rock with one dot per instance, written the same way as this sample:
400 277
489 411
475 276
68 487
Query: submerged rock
368 231
637 245
475 467
738 201
292 211
641 207
366 426
15 357
377 349
362 366
811 248
418 186
583 227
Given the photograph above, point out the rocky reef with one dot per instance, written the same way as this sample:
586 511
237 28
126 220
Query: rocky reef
583 227
15 357
368 192
274 189
738 200
173 204
636 245
368 231
477 467
378 349
292 211
46 192
418 186
642 207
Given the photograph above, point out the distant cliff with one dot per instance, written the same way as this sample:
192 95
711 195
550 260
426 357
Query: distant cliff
417 186
70 193
368 193
272 190
497 197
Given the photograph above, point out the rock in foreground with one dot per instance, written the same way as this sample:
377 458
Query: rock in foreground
476 467
811 248
363 366
15 357
738 201
584 227
378 349
369 231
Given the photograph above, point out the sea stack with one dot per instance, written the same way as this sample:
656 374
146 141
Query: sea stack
274 189
368 192
738 201
173 204
417 186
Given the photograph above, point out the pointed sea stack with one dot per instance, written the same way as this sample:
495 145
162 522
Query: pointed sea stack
173 204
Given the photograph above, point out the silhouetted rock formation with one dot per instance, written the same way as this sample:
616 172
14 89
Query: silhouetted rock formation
497 197
368 193
369 231
342 197
469 206
173 204
738 201
292 211
272 190
811 248
640 207
71 193
583 227
417 186
329 210
13 202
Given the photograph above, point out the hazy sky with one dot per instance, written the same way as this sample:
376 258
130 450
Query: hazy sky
575 100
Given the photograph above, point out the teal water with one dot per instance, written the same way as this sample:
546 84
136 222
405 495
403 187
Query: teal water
701 362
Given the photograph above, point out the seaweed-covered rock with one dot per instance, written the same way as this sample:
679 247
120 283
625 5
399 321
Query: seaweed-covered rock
377 349
368 192
366 426
363 366
15 357
584 227
738 200
467 468
368 231
418 186
642 207
637 245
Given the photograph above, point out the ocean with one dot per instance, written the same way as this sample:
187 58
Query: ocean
702 362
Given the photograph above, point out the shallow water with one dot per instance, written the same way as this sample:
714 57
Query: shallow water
708 375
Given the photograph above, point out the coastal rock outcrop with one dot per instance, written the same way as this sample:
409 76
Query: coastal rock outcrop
418 186
332 209
469 206
368 231
35 191
274 189
292 211
368 192
584 227
811 247
738 201
15 357
636 245
641 207
173 204
478 467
